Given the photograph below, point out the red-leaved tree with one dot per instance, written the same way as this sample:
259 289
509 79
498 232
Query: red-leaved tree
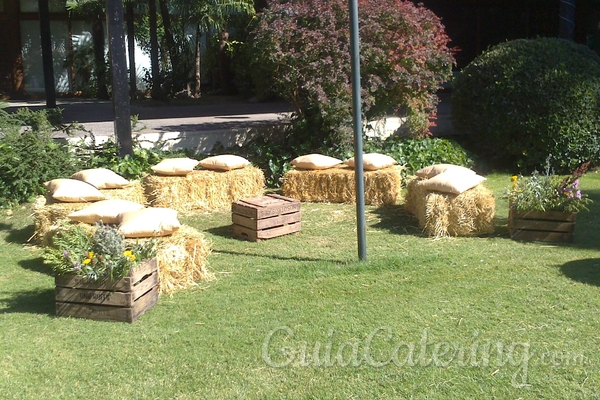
301 52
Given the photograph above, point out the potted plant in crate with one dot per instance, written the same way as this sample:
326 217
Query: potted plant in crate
99 275
544 207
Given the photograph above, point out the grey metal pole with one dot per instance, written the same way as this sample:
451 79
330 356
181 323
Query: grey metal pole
118 66
357 118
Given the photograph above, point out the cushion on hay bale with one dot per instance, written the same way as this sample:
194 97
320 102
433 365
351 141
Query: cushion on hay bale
104 211
175 166
373 161
315 161
101 178
204 190
73 190
337 185
224 162
442 214
452 181
132 192
433 170
148 222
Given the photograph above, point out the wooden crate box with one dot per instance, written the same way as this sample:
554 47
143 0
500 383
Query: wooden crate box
543 226
124 299
265 217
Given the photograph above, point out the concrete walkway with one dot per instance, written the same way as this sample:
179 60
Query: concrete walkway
197 127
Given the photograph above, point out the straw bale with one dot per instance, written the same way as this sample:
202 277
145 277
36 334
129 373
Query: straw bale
182 260
444 214
48 214
204 190
132 192
337 185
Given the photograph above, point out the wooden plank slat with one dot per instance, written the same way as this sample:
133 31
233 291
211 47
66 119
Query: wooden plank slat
537 225
542 236
255 236
258 224
546 215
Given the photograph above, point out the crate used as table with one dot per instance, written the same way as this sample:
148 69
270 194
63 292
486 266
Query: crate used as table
265 217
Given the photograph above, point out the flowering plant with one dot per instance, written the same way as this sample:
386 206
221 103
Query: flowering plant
101 254
547 192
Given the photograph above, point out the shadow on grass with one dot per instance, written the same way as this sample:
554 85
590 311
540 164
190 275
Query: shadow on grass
37 265
584 271
41 301
284 258
396 219
222 231
20 236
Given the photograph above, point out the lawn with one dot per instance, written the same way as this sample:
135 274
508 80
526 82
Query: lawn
298 317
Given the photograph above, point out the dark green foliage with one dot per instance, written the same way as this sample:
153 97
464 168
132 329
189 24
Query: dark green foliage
415 154
527 99
29 156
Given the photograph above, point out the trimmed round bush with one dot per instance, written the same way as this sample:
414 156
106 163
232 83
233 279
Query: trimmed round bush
530 99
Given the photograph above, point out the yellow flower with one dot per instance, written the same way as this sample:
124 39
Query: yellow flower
514 178
86 261
131 258
91 255
127 253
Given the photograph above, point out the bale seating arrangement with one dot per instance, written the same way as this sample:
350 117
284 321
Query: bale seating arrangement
318 178
449 201
182 254
212 188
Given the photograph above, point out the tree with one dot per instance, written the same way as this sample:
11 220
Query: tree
566 19
301 52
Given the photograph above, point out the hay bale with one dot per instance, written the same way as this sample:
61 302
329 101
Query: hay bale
337 185
444 214
132 192
182 260
204 190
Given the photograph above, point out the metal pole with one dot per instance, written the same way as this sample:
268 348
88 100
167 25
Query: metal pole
357 118
118 67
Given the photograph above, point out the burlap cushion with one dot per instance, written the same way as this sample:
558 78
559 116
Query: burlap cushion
452 182
225 162
105 211
101 178
436 169
73 190
315 161
175 166
148 222
373 161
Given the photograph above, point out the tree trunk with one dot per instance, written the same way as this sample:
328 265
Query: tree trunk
131 51
154 66
171 46
197 76
98 40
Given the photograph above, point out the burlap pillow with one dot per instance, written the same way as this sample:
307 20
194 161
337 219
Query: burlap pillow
373 161
175 166
101 178
452 182
433 170
315 161
148 222
225 162
73 190
105 211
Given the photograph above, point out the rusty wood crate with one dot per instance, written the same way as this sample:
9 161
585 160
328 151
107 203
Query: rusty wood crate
265 217
122 300
543 226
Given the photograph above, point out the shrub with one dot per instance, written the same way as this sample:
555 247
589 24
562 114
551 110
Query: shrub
527 99
29 156
301 52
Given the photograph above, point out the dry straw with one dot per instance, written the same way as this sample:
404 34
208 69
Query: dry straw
204 190
182 260
337 185
48 213
444 214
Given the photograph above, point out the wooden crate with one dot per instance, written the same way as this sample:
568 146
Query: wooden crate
543 226
265 217
123 299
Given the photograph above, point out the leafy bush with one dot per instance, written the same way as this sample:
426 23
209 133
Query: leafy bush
29 156
527 99
301 52
415 154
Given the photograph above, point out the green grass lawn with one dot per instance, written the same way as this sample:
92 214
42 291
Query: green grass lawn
298 317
